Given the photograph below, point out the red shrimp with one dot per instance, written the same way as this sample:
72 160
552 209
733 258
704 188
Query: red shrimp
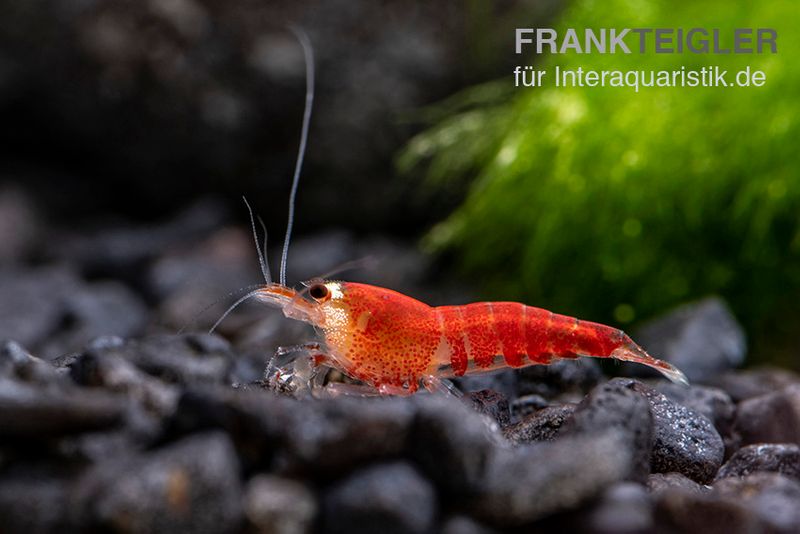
393 343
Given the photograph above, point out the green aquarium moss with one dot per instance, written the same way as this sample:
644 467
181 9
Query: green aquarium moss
614 205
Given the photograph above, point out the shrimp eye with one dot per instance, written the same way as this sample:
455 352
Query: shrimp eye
319 292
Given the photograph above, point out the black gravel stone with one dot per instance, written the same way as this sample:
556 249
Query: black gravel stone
188 359
771 496
34 503
504 382
683 440
527 405
682 511
770 418
279 505
17 363
702 339
27 411
778 458
388 498
618 404
189 486
103 368
329 436
453 444
625 507
559 377
715 404
658 483
461 524
541 425
528 483
316 438
749 383
32 307
491 403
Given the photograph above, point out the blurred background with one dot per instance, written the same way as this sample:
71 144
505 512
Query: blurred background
130 131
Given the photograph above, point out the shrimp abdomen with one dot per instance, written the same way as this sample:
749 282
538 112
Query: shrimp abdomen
480 333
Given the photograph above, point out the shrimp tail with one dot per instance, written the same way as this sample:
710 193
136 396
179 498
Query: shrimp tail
631 352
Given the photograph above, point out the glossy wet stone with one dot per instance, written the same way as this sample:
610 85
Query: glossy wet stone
783 458
683 440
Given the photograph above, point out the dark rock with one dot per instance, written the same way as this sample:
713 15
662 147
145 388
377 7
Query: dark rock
542 425
683 440
702 339
188 359
528 483
623 507
559 377
92 310
333 435
618 404
750 383
316 438
276 505
658 483
18 363
770 418
527 405
679 511
28 411
464 525
190 486
453 444
32 307
109 370
713 403
33 503
390 498
778 458
491 403
504 382
771 496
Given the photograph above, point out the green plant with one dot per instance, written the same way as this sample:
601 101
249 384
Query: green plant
614 205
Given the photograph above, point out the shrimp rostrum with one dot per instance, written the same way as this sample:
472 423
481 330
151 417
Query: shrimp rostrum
393 343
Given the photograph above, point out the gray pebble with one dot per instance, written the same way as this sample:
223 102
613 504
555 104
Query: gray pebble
275 505
528 483
388 498
770 418
189 486
617 404
541 425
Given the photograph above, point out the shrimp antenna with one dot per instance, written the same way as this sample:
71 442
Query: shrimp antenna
233 306
202 312
262 256
308 53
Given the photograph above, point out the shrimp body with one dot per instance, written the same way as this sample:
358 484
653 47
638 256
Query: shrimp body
393 342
